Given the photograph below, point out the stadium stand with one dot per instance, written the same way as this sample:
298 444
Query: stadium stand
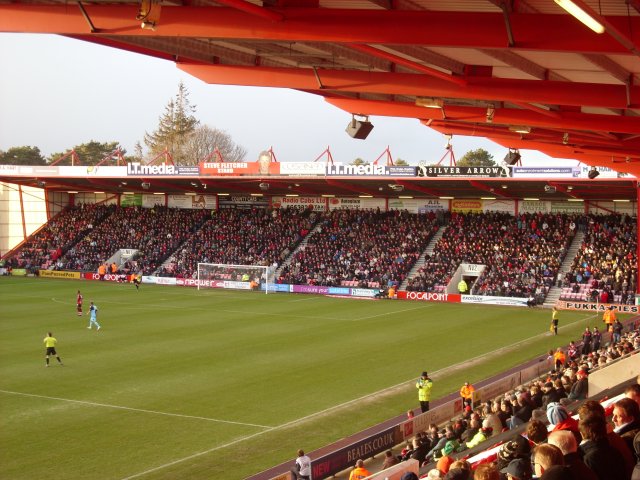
522 253
242 237
604 269
43 249
156 232
360 248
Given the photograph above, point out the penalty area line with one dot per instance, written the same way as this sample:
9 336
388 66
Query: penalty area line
131 409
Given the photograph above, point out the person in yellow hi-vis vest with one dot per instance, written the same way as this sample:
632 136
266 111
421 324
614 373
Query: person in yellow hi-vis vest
462 286
555 317
424 386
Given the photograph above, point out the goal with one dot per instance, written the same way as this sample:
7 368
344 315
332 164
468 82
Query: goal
239 277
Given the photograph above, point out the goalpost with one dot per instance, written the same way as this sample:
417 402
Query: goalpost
239 277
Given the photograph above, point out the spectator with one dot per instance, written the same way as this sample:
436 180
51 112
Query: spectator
445 461
633 392
597 453
359 472
518 469
389 460
466 393
548 463
579 389
560 419
636 448
566 442
591 407
536 432
626 418
486 471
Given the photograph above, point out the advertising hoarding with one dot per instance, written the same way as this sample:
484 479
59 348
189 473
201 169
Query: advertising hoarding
318 204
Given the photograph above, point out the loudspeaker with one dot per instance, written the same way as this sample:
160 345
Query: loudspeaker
358 129
593 173
512 158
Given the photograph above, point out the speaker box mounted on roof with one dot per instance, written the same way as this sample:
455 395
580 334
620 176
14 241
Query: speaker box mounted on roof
359 129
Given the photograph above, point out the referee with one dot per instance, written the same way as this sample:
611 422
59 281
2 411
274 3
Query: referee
50 343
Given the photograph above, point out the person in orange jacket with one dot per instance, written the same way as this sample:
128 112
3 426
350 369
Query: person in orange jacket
466 392
359 472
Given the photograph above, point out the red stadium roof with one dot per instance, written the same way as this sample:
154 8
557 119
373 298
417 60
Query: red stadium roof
494 66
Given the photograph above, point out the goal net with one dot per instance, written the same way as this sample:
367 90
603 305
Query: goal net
239 277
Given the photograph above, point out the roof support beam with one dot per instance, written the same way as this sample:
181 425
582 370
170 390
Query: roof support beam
413 185
491 190
432 72
426 28
510 90
573 121
253 9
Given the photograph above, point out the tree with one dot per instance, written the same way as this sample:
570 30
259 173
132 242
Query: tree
359 161
90 153
22 156
477 158
401 162
203 142
175 125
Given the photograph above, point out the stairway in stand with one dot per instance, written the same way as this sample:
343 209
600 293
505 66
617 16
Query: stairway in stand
554 292
301 245
421 259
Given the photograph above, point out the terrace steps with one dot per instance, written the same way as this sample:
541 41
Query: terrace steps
300 246
554 292
421 259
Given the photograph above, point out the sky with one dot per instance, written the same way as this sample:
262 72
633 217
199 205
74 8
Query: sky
56 93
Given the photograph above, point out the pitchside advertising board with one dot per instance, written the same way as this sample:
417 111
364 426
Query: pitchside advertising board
597 307
346 457
429 296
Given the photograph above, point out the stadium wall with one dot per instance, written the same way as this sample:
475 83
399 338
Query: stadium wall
22 212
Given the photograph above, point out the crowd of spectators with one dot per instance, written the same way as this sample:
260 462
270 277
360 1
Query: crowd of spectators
543 407
56 237
605 268
366 248
155 232
243 237
522 253
370 247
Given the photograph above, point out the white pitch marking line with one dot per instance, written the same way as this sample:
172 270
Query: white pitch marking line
392 313
335 407
199 454
154 412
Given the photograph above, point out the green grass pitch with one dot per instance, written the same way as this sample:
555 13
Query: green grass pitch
181 383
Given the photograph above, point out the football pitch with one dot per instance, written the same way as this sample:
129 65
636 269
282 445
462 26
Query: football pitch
219 384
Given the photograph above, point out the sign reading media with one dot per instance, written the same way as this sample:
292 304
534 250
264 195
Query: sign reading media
356 170
137 168
440 171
